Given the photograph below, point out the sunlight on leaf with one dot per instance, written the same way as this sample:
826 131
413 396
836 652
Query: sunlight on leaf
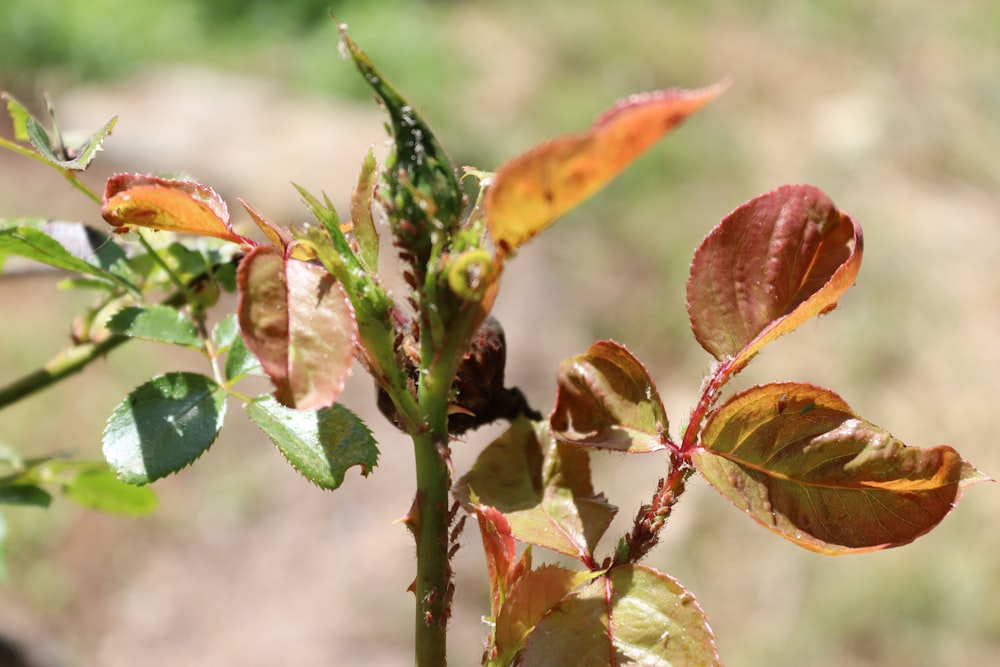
542 487
530 599
633 615
161 324
770 265
320 444
531 191
606 399
137 200
802 464
501 554
101 490
297 321
163 426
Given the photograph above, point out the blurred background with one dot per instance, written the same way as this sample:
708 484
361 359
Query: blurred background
892 107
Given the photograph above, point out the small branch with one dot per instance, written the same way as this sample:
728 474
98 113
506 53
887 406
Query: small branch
69 361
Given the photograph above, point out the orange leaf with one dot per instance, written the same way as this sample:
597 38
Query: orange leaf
137 200
531 191
802 464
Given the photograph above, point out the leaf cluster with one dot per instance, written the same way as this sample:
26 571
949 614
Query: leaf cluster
311 301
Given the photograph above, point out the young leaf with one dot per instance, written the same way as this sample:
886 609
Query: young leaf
770 265
161 324
606 399
501 554
542 487
422 189
137 200
296 320
101 490
361 212
320 444
802 464
53 147
240 362
24 494
532 597
531 191
633 615
163 425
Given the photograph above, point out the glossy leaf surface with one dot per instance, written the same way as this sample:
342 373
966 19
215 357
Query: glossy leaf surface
531 191
163 426
606 399
542 487
802 464
187 207
161 324
320 444
633 615
296 320
770 265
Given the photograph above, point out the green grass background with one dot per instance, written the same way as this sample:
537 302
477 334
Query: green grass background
891 107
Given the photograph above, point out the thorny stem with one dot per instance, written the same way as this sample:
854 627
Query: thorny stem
429 518
651 518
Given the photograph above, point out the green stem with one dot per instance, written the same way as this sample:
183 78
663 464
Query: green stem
430 521
66 363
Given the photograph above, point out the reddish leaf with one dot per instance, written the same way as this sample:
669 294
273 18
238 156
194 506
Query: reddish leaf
770 265
606 399
531 597
296 320
802 464
501 553
542 487
137 200
531 191
633 615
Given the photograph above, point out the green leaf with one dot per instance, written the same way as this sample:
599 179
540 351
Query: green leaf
225 333
163 426
321 444
161 324
102 490
770 265
534 189
24 494
606 399
361 212
40 247
633 615
19 115
297 321
532 597
798 461
53 145
93 247
543 488
240 362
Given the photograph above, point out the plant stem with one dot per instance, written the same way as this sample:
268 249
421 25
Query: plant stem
69 361
429 521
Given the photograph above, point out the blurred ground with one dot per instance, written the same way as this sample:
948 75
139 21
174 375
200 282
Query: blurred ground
891 108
